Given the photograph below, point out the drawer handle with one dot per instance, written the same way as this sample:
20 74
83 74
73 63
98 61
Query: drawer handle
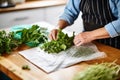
21 18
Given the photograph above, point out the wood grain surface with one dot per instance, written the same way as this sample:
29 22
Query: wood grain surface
12 65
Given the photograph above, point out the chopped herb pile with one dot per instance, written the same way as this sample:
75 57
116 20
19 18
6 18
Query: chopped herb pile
25 67
32 37
62 43
103 71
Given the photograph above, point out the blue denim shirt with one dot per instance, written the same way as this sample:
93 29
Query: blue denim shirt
72 11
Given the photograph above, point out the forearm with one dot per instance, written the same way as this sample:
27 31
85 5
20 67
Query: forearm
62 24
100 33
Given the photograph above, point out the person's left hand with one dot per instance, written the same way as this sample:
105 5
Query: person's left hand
86 37
83 38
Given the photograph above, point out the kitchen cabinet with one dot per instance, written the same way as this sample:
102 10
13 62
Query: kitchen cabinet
9 19
30 12
49 14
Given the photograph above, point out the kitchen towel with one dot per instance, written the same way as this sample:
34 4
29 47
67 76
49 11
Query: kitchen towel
51 62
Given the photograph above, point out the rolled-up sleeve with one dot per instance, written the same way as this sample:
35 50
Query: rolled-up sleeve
113 28
71 11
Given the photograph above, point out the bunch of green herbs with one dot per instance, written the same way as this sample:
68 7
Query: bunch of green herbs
32 37
62 43
102 71
7 42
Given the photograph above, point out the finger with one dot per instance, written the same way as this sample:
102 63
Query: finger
54 35
50 36
78 44
76 40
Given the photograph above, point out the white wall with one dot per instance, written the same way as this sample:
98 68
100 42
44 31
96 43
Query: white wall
77 26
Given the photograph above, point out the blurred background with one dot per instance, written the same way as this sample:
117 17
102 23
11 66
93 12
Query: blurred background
19 12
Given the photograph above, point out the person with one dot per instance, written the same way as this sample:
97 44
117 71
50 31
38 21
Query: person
101 20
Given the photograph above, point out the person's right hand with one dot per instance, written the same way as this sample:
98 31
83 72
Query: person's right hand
53 34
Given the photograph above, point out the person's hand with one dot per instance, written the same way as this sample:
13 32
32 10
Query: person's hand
86 37
61 25
53 34
83 38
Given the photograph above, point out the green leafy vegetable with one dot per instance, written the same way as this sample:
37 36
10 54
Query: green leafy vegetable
32 36
103 71
7 42
62 43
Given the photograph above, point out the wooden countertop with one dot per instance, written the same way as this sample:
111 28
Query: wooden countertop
34 5
11 65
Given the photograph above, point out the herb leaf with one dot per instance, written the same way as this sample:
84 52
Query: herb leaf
62 43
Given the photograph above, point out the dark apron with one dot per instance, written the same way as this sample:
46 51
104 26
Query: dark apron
96 14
